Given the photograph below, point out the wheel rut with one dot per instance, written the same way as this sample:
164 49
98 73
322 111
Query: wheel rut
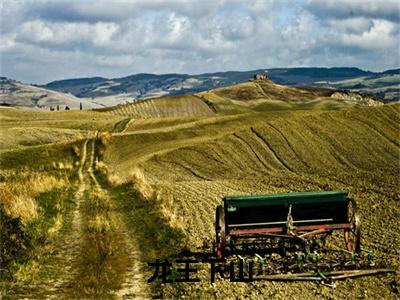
133 284
99 256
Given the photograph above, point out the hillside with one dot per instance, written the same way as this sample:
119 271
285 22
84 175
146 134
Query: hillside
174 106
189 165
258 95
88 198
140 86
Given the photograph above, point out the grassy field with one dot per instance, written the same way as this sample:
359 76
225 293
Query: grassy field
88 198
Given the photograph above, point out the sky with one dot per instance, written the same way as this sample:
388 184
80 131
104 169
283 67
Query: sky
44 40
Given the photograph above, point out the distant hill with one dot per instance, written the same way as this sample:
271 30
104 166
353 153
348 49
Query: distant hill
97 92
18 94
384 85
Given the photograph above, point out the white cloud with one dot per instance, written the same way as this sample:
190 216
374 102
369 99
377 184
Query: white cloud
351 25
379 36
7 43
43 32
115 61
299 33
116 38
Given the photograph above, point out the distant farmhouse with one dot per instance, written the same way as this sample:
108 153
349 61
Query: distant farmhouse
260 77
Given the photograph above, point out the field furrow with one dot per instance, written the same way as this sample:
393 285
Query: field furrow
271 149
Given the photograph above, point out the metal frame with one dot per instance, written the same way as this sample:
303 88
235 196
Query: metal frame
316 229
288 231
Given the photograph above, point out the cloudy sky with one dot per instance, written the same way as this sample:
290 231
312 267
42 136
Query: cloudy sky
43 40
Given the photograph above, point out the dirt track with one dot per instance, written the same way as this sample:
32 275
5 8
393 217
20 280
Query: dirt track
132 284
98 257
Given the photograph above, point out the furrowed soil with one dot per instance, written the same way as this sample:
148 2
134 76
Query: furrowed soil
145 188
191 166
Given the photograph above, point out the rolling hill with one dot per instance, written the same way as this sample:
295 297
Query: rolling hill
384 85
256 95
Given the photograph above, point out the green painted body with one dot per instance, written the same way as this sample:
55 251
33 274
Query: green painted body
264 211
286 199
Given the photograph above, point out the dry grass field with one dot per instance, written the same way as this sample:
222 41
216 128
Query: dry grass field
141 181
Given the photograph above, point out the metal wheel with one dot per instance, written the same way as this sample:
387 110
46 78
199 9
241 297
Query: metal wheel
220 237
352 237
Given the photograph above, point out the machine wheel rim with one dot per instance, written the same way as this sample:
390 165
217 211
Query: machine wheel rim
220 237
353 235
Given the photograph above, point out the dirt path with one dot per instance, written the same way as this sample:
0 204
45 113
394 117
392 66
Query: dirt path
70 246
97 257
133 285
76 222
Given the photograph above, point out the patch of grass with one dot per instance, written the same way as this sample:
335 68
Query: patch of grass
40 158
157 239
74 120
22 243
18 192
100 266
23 137
120 126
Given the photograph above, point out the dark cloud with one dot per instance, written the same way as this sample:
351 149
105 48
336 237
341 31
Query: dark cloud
343 9
119 10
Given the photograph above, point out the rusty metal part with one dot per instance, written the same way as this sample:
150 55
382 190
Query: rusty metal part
352 236
220 231
323 276
320 228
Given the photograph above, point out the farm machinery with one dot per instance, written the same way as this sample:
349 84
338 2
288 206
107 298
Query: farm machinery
294 236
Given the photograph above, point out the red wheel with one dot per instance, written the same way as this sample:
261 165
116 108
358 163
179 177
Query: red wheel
352 237
220 238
